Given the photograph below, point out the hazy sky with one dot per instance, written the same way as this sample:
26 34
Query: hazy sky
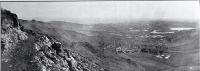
105 11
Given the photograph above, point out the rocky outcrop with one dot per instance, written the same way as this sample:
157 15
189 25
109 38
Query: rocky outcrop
26 50
51 59
10 32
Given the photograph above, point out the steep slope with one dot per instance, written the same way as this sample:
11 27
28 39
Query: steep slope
64 31
52 24
11 34
27 50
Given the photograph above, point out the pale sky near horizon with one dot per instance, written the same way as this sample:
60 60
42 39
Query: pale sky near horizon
105 11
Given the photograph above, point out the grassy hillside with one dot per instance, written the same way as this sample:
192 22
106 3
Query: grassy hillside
140 45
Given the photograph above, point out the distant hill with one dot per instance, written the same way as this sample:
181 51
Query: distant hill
62 30
66 25
53 24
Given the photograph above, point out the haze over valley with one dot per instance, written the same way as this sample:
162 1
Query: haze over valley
110 36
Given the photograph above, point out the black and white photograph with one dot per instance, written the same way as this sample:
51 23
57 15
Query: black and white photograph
100 36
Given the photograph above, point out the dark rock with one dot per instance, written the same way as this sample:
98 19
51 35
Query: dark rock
26 50
57 46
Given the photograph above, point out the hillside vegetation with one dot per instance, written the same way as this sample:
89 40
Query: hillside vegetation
31 45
